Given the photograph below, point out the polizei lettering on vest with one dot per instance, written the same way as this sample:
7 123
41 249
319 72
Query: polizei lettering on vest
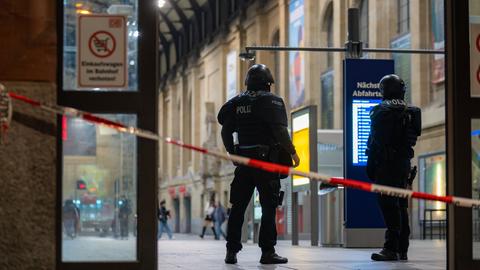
244 109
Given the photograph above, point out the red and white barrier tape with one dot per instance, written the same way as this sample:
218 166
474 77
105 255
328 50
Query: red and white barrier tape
263 165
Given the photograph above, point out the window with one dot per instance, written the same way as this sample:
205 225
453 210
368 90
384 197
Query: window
203 28
102 69
475 187
432 179
403 16
474 19
276 60
99 196
326 81
327 76
403 65
329 26
364 22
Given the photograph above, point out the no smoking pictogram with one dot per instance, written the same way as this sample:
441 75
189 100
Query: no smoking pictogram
102 44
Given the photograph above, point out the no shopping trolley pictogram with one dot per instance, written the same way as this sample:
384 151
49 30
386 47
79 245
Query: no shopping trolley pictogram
102 44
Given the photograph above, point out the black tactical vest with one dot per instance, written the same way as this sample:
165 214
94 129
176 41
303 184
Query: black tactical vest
253 112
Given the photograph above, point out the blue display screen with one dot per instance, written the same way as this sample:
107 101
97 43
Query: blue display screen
361 128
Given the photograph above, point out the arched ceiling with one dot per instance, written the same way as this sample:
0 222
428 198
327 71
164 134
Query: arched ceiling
176 15
187 25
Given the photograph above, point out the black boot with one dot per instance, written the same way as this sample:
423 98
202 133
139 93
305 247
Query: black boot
271 257
203 232
402 256
385 255
231 257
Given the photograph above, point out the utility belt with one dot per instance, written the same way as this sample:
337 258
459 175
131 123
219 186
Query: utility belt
258 151
270 153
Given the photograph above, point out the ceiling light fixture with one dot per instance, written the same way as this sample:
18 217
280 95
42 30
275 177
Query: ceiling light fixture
160 3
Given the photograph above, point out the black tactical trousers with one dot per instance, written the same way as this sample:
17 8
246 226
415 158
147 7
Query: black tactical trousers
268 185
395 215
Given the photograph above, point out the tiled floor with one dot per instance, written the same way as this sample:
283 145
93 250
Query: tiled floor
190 252
98 249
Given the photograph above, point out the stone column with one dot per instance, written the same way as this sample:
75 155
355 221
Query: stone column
420 31
339 39
283 30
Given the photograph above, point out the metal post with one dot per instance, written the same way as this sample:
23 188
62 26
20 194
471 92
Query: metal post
353 25
354 44
294 218
314 213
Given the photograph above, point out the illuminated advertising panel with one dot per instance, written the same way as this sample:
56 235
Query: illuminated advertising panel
296 58
301 140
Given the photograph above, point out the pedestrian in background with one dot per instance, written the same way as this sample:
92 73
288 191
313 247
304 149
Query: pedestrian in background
70 218
163 216
123 215
219 217
209 219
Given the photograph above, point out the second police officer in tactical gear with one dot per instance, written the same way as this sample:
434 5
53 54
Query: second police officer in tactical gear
254 125
395 127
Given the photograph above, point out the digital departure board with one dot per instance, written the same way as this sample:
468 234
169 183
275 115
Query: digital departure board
361 93
361 128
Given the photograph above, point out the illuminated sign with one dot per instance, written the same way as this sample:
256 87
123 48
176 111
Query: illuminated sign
81 185
301 141
361 94
361 128
102 51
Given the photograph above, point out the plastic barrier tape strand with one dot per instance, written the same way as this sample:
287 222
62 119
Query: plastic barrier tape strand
263 165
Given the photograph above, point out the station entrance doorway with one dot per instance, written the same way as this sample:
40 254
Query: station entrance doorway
120 171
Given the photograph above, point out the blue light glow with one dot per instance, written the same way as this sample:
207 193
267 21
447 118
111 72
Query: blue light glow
361 128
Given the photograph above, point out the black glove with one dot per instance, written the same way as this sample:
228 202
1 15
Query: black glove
411 176
281 194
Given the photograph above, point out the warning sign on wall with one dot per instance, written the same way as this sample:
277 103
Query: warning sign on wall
102 51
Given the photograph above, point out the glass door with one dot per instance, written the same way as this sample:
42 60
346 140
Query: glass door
463 125
107 180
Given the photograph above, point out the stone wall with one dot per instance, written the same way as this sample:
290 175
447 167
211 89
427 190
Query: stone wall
28 180
28 157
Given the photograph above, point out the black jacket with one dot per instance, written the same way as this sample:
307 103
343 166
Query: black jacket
394 131
163 214
259 117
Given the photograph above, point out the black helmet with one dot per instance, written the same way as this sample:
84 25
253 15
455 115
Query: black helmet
392 87
259 77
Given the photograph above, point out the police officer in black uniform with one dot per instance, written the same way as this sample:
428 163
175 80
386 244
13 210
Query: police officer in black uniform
254 125
395 127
